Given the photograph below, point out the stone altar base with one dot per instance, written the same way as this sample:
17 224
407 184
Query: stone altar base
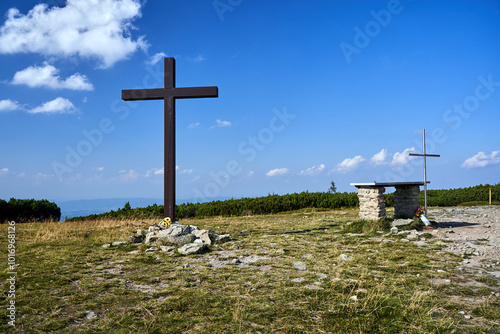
372 202
406 201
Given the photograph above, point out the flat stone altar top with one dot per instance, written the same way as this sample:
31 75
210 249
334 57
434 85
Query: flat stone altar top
388 184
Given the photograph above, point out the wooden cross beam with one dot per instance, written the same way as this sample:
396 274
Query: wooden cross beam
169 94
425 155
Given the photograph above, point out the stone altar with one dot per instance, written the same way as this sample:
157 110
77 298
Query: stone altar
372 202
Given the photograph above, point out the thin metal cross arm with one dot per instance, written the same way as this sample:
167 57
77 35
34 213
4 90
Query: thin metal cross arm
424 155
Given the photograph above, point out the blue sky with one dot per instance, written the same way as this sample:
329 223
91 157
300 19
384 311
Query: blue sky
309 92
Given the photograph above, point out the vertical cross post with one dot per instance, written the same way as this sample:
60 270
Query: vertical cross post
169 94
425 155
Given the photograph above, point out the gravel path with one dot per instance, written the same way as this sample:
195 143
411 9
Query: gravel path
475 232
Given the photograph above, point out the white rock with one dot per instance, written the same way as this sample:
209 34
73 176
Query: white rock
90 315
219 238
314 287
203 235
118 243
299 265
321 276
167 249
192 248
344 257
298 280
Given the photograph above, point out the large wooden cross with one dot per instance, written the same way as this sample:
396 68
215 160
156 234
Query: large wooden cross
425 155
169 94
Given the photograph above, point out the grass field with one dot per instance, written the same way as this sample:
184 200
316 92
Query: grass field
380 284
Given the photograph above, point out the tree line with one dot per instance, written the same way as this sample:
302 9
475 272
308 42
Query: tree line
28 210
281 203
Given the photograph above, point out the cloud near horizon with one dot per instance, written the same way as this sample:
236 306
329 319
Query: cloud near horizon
349 164
156 171
88 29
127 176
482 160
379 158
277 171
399 159
314 170
46 76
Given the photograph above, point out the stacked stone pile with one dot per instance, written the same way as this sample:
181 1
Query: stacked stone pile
191 239
406 201
371 203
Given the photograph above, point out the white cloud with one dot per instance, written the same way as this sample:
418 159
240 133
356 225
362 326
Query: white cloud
56 106
222 123
9 105
277 171
156 58
349 164
156 171
379 158
399 159
127 176
482 160
41 177
73 179
194 179
99 169
184 171
193 125
197 59
161 171
46 76
250 173
314 170
4 171
99 29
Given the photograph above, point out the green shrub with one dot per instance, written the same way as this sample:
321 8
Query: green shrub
28 210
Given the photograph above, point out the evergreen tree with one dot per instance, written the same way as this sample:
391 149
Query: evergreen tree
332 189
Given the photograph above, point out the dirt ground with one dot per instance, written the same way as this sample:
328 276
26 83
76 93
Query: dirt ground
475 232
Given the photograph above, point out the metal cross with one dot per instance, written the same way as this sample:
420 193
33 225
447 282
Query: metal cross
425 155
169 94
